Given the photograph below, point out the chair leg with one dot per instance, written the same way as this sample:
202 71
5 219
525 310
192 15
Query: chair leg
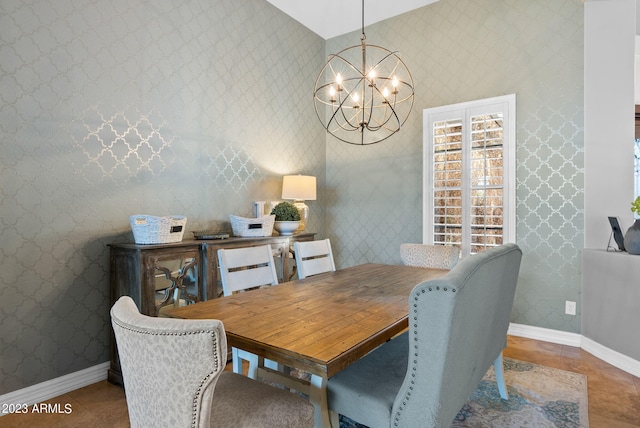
253 365
236 361
498 368
335 419
238 355
273 365
318 397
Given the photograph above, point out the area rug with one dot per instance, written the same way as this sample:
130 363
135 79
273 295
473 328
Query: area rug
539 396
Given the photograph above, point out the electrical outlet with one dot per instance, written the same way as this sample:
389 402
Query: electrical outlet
569 307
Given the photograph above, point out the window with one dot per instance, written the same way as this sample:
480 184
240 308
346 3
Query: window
469 174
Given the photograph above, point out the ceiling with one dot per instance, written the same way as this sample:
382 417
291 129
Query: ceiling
331 18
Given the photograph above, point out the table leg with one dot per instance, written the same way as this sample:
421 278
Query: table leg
318 397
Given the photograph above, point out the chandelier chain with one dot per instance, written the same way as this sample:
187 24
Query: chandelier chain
363 35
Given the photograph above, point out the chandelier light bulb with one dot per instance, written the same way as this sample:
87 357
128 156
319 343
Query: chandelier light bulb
355 99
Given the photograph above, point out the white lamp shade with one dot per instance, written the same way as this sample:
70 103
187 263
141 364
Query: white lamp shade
299 187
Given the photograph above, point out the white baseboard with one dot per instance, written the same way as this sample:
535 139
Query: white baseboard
545 334
612 357
607 355
56 387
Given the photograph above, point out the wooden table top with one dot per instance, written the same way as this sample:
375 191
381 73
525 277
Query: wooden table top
320 324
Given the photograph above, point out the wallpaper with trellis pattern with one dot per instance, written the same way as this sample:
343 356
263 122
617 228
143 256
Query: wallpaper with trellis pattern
107 109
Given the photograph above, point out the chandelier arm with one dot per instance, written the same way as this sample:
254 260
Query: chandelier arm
346 125
409 96
347 121
382 124
340 108
386 116
369 117
333 118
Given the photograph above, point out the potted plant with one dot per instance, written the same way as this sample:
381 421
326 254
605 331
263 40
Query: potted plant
287 218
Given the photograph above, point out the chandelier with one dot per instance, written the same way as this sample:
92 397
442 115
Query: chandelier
364 93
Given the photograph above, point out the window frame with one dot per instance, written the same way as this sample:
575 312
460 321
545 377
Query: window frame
465 111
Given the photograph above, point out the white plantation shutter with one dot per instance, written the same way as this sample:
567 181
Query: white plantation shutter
469 174
447 181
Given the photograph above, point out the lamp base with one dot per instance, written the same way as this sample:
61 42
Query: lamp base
303 209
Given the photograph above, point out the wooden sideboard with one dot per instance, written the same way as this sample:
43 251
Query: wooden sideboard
157 275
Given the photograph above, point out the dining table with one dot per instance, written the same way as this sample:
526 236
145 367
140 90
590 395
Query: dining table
318 325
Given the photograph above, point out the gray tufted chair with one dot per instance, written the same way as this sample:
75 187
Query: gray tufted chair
174 376
457 328
430 256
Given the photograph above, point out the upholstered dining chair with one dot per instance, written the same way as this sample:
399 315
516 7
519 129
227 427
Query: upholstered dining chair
457 329
173 372
242 269
313 257
430 256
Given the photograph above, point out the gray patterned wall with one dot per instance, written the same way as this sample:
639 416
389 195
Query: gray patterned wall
460 50
133 107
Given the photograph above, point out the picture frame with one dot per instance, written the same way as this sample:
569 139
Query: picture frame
616 232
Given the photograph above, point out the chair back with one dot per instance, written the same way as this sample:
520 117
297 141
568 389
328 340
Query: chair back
169 366
458 326
313 257
430 256
244 268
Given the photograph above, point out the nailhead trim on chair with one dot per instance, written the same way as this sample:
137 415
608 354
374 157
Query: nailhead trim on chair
196 397
407 397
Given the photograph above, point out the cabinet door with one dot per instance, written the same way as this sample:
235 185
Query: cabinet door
171 279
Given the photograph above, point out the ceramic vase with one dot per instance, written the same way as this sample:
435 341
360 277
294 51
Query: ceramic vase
286 227
632 238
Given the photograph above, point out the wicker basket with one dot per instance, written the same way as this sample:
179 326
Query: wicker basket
149 229
245 227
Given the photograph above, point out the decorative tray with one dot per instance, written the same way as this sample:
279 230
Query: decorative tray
209 234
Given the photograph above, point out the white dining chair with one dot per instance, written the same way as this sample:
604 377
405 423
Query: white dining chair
242 269
313 257
173 373
430 256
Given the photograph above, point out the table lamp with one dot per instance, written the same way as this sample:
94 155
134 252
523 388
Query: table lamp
300 188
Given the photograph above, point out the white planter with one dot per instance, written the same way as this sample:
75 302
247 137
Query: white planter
286 227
